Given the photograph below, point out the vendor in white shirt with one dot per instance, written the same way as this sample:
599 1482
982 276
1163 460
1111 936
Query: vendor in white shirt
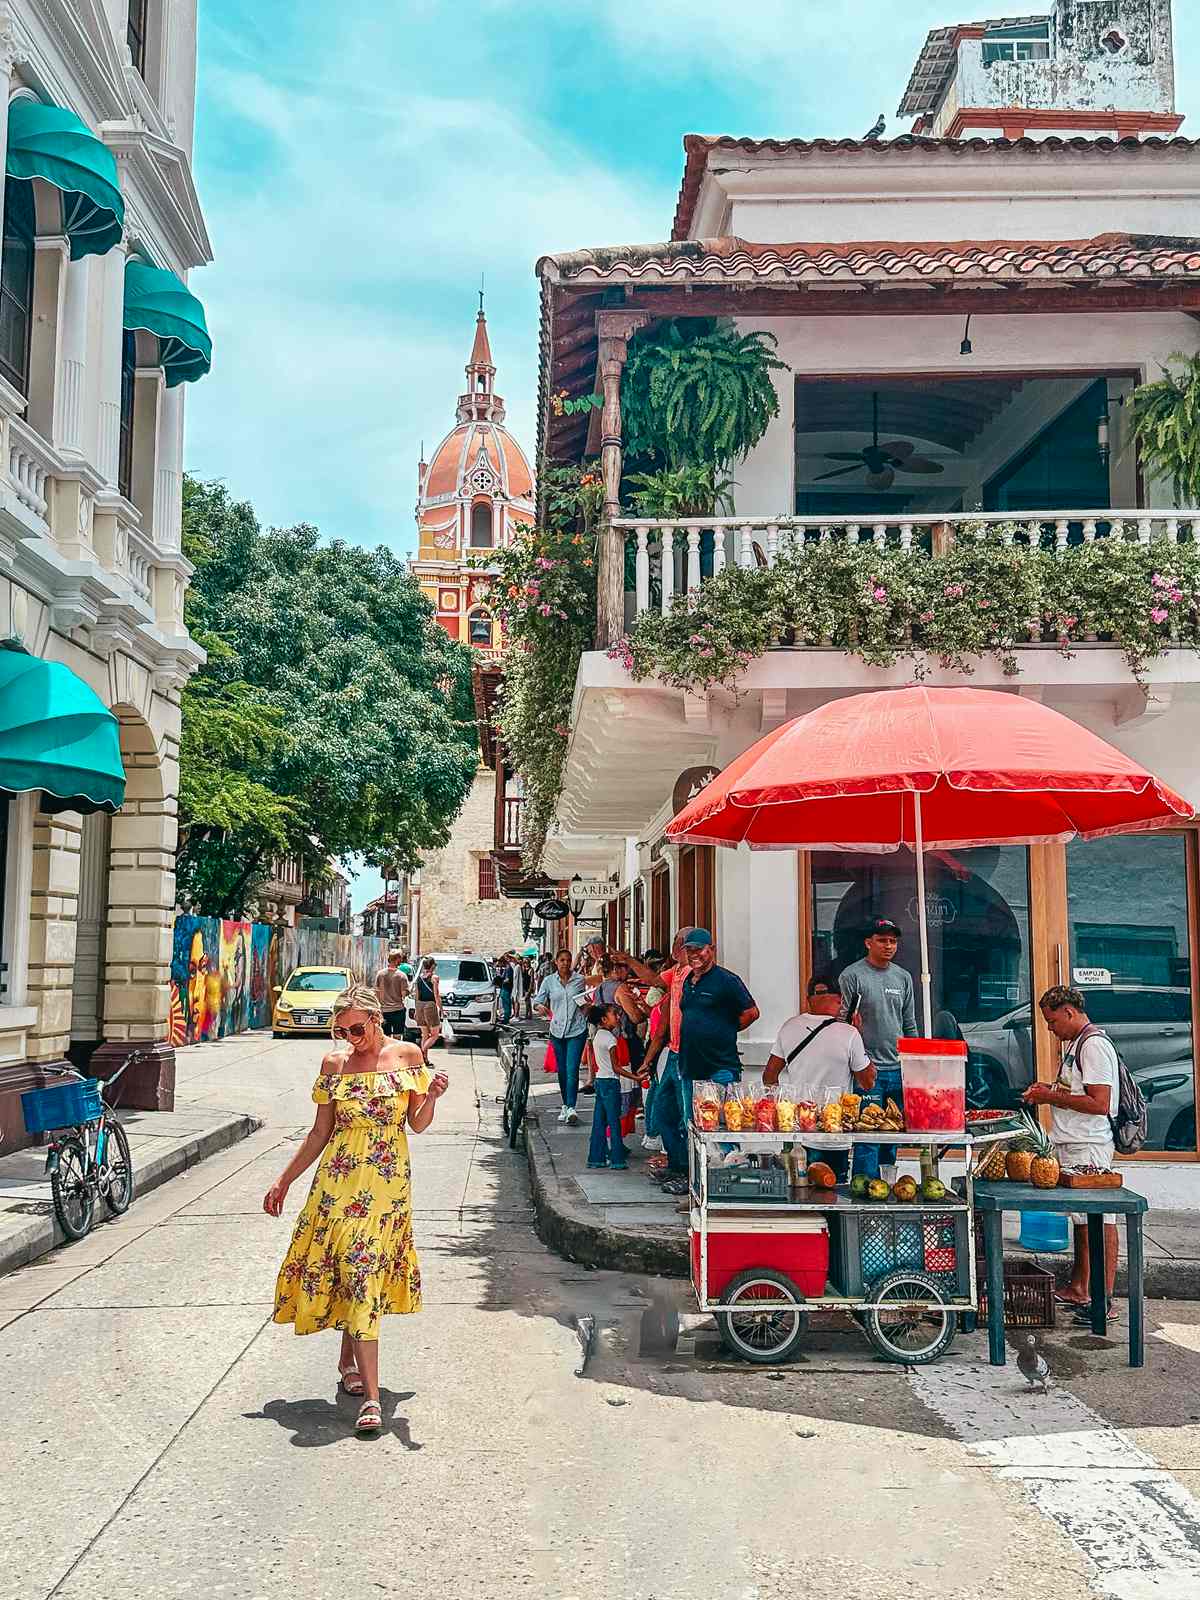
1082 1101
814 1053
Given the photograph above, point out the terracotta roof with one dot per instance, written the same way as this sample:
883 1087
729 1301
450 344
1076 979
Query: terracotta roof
481 350
459 452
698 147
719 261
935 64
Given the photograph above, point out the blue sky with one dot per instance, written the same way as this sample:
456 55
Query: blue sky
361 164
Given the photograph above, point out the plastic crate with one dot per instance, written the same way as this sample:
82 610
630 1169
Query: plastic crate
931 1242
62 1105
1028 1296
749 1184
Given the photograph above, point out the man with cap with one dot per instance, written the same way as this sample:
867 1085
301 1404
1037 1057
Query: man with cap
879 997
714 1007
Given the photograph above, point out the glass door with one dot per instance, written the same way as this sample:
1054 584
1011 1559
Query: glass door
1130 906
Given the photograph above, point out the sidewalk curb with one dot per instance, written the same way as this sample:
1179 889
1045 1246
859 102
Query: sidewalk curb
39 1235
566 1226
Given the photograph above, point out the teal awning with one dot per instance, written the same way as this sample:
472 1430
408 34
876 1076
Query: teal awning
156 300
51 143
56 734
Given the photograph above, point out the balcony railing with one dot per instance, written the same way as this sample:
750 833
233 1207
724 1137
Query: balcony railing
675 557
30 466
514 824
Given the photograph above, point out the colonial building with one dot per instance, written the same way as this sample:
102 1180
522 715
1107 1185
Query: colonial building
99 337
473 497
984 306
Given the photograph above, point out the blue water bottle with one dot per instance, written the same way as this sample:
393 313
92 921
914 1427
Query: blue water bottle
1045 1231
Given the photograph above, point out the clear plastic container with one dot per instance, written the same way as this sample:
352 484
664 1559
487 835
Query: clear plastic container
933 1074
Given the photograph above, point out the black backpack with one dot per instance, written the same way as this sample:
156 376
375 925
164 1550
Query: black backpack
1131 1124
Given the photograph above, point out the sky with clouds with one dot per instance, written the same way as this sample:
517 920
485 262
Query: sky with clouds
362 164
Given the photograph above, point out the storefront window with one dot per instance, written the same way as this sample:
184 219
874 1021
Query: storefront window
1131 957
977 904
4 803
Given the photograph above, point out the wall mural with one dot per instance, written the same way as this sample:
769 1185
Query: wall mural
223 974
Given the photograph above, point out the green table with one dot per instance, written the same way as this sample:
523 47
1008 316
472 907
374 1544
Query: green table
992 1200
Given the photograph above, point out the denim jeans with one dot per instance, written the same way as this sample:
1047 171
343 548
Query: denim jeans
868 1158
504 1003
607 1113
669 1114
568 1053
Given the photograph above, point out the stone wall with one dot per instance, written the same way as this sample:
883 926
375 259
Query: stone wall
453 917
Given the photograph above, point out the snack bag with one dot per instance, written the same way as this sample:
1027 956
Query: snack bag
764 1114
831 1117
733 1115
748 1109
706 1110
806 1117
785 1115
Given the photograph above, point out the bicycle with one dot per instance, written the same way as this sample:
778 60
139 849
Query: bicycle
88 1155
516 1089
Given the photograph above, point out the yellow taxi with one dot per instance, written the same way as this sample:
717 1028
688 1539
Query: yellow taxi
305 1003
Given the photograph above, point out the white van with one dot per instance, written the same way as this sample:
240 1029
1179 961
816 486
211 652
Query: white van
468 995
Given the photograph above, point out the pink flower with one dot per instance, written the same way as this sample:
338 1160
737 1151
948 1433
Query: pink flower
954 591
1158 581
708 651
879 593
927 616
545 610
696 638
545 564
1175 595
1159 614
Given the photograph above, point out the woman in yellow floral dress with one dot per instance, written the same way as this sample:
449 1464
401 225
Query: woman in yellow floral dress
351 1261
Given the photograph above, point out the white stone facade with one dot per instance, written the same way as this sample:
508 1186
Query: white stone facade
446 909
91 572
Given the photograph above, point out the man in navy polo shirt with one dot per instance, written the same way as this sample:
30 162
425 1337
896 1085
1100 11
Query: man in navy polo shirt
714 1007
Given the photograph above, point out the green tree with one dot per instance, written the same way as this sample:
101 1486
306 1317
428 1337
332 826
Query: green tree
333 716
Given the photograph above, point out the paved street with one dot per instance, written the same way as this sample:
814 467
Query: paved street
163 1439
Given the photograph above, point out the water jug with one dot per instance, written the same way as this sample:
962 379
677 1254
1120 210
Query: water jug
1045 1231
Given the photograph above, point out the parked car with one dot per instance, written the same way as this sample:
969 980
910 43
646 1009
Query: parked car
304 1004
1170 1090
468 995
1149 1026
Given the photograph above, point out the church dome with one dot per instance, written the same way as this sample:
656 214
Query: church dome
478 457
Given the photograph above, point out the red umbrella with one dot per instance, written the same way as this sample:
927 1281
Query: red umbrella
938 769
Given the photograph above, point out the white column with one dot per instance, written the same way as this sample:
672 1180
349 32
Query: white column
168 478
772 972
68 417
112 336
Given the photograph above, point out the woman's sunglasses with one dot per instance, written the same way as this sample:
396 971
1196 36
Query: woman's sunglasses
355 1031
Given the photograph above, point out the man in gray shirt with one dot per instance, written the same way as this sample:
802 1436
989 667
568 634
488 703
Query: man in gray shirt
878 997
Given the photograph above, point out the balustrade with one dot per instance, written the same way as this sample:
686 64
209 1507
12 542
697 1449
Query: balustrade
29 469
676 556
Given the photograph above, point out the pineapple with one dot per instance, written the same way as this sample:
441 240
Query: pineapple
1032 1158
994 1166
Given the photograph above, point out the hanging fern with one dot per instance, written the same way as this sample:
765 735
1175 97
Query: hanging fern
1166 425
697 393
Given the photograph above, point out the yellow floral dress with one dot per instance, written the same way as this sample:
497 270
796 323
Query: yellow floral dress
351 1260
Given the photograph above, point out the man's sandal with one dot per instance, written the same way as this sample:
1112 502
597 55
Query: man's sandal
370 1418
350 1381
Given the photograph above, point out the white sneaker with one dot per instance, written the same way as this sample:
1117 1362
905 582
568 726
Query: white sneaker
562 1115
571 1119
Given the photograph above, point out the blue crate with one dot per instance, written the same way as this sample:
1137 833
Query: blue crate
63 1105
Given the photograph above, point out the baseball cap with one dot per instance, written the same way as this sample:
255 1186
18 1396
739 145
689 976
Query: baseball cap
697 939
882 925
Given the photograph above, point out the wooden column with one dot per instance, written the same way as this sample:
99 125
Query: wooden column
615 328
1050 945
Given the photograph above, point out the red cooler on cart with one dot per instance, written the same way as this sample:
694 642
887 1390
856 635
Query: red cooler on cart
797 1246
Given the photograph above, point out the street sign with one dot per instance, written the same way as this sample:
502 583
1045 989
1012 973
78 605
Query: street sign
552 910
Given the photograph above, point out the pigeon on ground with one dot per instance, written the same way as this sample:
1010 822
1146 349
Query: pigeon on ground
877 132
1032 1364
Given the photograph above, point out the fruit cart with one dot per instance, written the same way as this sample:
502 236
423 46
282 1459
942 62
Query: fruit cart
766 1252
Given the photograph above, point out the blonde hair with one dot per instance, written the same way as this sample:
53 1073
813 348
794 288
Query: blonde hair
358 997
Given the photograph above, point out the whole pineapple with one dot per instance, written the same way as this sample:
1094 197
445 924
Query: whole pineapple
994 1167
1032 1159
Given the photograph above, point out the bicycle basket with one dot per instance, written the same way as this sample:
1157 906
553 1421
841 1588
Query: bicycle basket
63 1105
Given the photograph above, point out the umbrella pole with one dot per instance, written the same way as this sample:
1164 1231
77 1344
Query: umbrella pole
926 981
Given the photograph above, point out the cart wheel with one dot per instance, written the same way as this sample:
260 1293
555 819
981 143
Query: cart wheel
906 1332
763 1336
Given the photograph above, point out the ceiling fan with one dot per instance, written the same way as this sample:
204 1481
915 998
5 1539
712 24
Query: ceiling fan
882 461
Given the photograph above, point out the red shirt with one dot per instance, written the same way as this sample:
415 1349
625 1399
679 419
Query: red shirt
676 979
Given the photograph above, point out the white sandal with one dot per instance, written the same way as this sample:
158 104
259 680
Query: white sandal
370 1417
348 1378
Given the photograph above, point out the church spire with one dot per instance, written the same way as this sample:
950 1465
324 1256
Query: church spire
480 403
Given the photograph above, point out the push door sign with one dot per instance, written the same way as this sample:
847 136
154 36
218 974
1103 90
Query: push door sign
1092 978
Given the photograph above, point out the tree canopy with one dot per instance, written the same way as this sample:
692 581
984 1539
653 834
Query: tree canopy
333 716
